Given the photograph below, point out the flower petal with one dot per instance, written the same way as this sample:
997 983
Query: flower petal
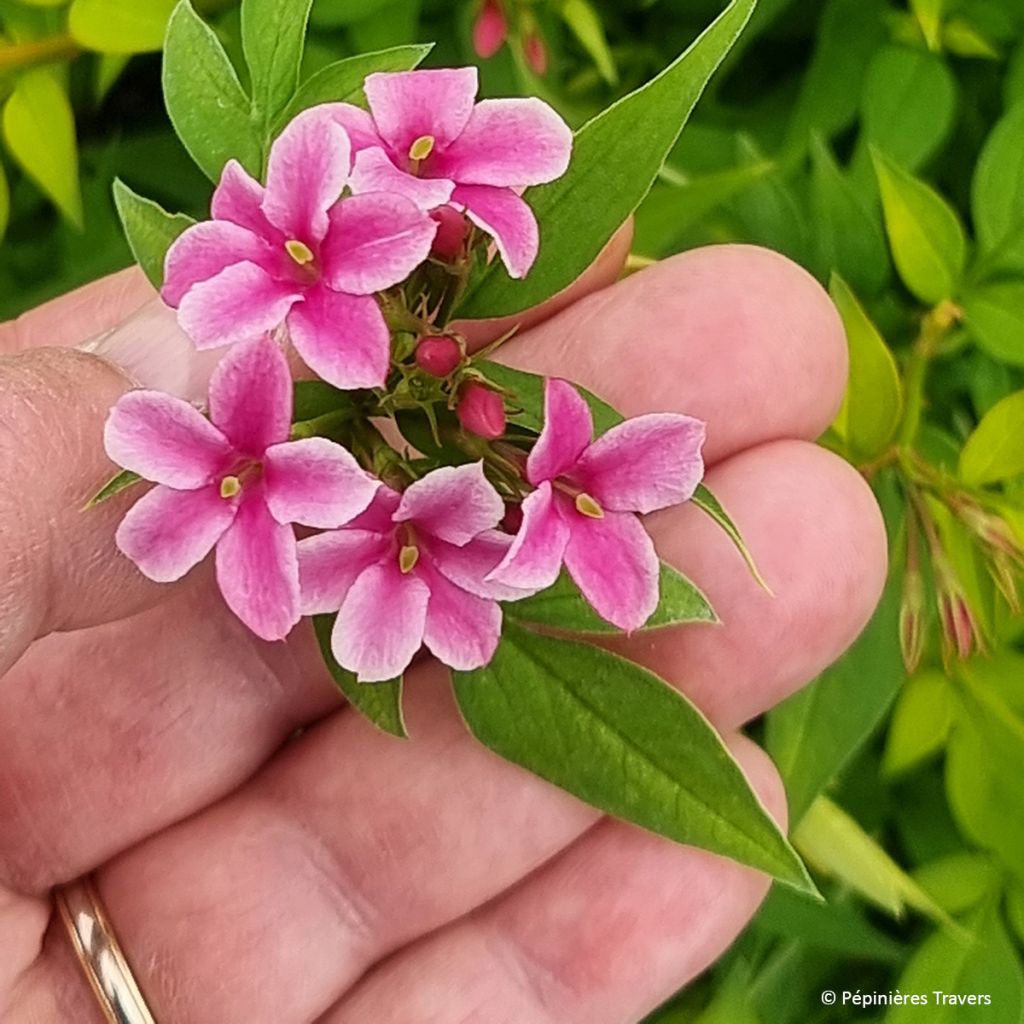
614 563
343 338
375 241
568 428
508 219
358 124
251 396
258 570
330 563
409 104
378 516
241 303
469 566
166 532
461 630
374 172
644 464
307 169
204 250
164 439
316 482
535 557
512 142
454 503
239 199
380 626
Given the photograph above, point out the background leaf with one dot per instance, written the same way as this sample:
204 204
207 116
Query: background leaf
149 228
206 103
120 26
39 130
623 740
994 317
994 450
616 158
997 192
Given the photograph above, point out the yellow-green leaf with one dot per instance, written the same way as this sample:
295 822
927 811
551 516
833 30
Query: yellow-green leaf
995 451
119 26
39 130
873 404
921 721
929 17
927 240
586 25
994 317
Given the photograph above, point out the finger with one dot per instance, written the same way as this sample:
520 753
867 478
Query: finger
601 935
59 569
605 270
736 335
80 314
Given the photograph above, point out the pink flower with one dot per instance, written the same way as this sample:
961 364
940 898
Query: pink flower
489 29
425 138
291 252
410 571
588 493
481 411
234 483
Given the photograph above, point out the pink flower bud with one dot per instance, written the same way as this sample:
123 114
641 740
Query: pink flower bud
452 228
536 53
513 518
438 356
490 29
958 624
481 411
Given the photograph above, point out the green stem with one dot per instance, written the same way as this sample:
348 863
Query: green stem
936 324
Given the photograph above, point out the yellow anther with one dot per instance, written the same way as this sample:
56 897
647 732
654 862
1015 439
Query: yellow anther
586 506
408 557
230 486
299 251
422 148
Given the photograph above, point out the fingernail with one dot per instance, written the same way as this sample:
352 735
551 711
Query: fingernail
156 353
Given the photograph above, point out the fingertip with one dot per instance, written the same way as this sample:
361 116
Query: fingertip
762 775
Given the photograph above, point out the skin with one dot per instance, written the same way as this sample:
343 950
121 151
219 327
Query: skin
343 876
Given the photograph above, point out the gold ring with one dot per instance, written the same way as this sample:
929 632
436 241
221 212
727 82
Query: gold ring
103 963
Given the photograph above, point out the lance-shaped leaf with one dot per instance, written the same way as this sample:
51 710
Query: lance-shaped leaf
995 451
149 228
623 740
616 158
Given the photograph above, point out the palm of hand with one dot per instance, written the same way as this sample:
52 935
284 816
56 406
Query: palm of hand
344 876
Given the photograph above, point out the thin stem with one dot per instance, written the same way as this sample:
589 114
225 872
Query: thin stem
935 325
37 51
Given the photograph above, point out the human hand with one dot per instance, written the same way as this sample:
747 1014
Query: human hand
345 876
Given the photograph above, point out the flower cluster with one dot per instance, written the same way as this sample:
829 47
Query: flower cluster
334 282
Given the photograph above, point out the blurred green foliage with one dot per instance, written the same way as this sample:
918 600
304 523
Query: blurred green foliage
879 143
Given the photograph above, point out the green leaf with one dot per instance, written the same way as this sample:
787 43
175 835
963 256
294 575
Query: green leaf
995 452
313 398
623 740
834 843
273 33
815 733
908 109
847 231
562 606
986 967
528 389
381 703
205 101
928 242
994 317
616 158
873 404
929 15
586 26
960 881
335 13
961 38
997 193
710 505
119 26
39 130
342 81
149 228
920 723
115 485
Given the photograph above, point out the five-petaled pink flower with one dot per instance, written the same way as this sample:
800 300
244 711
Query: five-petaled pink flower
292 252
236 482
410 571
588 493
426 138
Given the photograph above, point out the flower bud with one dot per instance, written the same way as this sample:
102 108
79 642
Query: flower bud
490 29
481 411
536 53
513 518
912 634
438 356
958 625
452 228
